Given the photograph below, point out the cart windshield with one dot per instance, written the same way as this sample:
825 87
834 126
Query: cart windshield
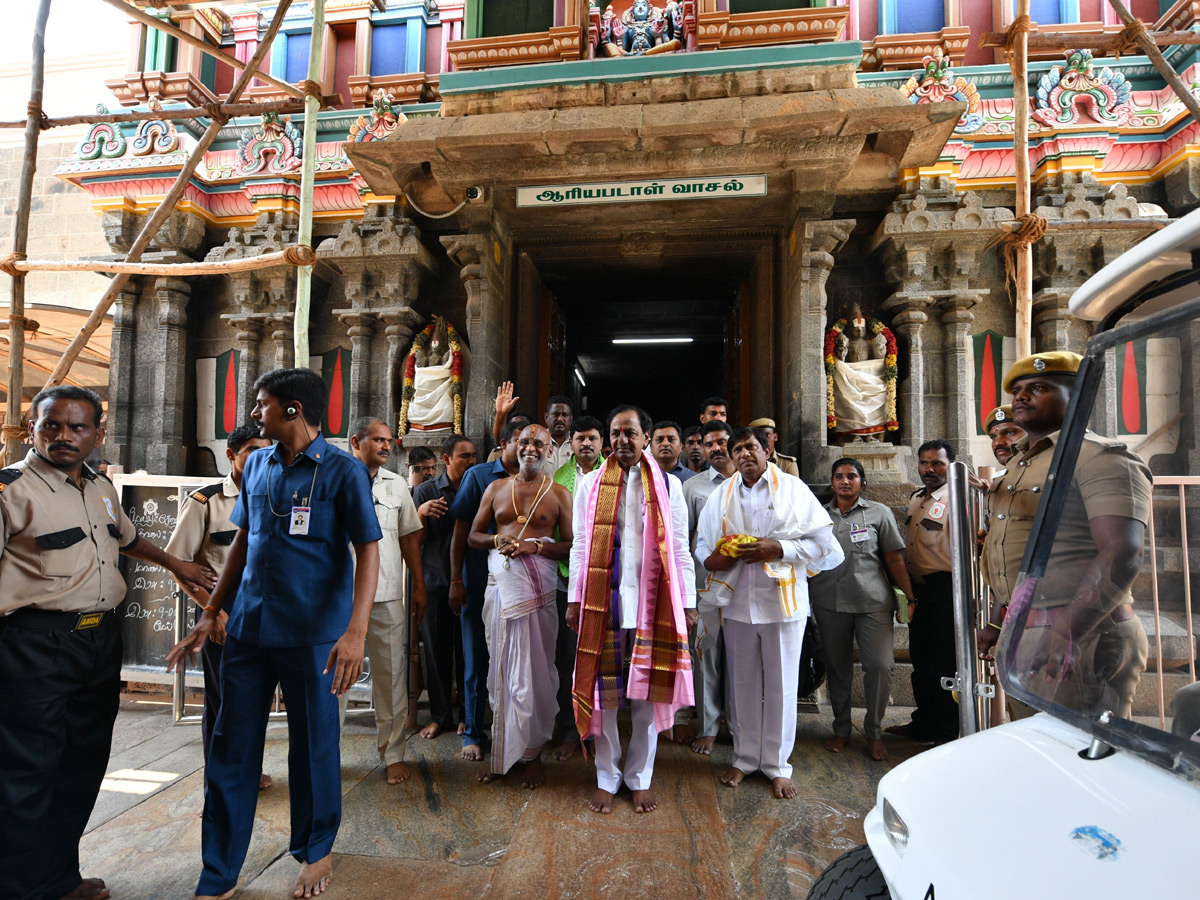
1100 626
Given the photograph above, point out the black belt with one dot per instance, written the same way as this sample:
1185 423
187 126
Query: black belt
50 620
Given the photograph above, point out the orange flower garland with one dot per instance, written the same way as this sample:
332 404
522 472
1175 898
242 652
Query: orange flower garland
420 342
891 371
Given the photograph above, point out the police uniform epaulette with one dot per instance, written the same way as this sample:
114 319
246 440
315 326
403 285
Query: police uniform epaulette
914 493
209 490
8 476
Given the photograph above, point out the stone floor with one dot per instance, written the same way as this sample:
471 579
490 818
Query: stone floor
443 835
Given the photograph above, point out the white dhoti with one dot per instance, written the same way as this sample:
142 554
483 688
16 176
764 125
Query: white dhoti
432 405
520 622
859 397
764 674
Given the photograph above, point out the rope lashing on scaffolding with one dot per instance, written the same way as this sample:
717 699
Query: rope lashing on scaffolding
36 112
14 433
300 255
312 89
1021 25
1130 38
8 263
214 111
1032 229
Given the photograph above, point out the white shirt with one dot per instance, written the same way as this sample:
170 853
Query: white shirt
629 526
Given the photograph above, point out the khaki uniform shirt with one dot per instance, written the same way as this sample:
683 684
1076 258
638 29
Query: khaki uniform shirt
928 527
1109 480
786 463
397 517
203 533
860 584
60 545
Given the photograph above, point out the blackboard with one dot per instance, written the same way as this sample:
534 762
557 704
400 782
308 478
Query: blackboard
149 609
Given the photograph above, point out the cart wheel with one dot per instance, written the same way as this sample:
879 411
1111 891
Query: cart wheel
852 876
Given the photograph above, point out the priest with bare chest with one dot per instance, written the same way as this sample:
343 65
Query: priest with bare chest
520 617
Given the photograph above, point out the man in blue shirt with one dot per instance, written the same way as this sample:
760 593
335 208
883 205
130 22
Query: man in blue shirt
467 584
300 620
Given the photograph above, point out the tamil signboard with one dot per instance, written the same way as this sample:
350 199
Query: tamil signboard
637 191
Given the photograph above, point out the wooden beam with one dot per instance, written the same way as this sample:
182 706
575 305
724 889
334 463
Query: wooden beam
220 267
1156 58
291 105
1109 43
204 47
159 216
1018 61
16 326
307 184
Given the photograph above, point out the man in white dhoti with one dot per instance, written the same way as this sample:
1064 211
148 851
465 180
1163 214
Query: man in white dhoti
520 618
759 534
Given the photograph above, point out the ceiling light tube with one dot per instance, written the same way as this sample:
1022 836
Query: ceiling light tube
653 340
579 377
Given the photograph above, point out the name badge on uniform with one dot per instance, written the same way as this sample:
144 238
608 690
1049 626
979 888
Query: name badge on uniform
858 534
300 517
937 510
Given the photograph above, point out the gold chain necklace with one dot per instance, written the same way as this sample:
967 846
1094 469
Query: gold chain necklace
521 520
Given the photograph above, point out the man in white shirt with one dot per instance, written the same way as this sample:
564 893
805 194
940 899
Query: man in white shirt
761 588
631 581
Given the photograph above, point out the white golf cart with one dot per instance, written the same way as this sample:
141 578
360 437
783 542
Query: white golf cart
1072 802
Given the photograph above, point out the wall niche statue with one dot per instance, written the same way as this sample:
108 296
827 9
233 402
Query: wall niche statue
434 375
860 378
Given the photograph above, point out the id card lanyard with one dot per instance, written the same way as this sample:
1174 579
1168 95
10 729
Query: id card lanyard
301 512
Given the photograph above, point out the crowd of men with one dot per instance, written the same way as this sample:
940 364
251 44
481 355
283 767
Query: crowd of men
586 566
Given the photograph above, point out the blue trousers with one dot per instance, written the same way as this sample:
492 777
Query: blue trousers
475 670
248 678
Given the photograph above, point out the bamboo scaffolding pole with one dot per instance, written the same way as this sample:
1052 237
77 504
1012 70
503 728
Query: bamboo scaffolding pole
166 207
1092 224
298 255
1107 43
13 433
204 47
231 110
1018 62
308 176
1146 41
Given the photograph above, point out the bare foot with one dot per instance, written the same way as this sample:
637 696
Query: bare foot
487 776
462 729
644 801
565 750
265 781
398 772
89 889
683 734
472 752
431 730
314 877
704 745
601 802
782 788
877 750
535 774
224 896
731 777
837 744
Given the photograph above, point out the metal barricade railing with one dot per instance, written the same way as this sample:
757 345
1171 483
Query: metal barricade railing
1180 483
971 680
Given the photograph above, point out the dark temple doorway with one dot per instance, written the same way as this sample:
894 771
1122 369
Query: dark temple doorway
604 303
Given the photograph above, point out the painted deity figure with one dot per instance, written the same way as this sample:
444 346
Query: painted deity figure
860 391
644 30
432 404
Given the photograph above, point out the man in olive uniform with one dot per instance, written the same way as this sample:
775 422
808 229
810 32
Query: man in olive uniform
204 534
62 531
1082 645
1004 433
931 628
786 463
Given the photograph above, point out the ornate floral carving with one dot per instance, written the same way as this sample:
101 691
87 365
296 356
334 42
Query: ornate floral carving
274 149
155 135
382 121
1064 91
938 84
104 139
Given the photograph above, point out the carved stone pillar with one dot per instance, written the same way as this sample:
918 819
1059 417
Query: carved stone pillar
960 375
165 454
360 328
249 340
485 330
911 392
120 385
285 349
805 340
399 336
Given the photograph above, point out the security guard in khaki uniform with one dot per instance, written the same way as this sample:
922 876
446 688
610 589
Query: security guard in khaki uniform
931 628
1082 646
1004 433
204 534
786 463
62 531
